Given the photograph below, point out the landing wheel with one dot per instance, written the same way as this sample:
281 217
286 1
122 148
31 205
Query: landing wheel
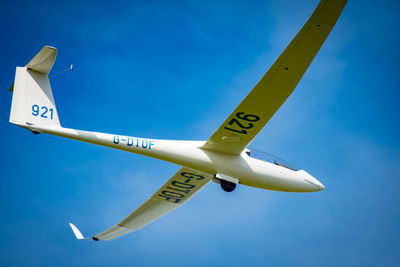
227 186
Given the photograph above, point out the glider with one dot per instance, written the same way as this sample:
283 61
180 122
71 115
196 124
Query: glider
223 158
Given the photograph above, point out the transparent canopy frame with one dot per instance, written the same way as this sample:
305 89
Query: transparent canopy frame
261 155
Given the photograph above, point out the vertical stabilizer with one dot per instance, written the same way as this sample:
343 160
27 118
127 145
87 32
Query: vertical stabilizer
33 102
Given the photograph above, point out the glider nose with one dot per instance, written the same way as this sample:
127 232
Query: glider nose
315 184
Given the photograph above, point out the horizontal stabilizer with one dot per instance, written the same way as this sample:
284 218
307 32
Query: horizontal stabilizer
44 60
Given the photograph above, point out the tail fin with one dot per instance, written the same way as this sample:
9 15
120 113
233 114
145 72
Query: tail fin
33 102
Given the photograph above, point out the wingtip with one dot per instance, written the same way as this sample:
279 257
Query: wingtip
76 231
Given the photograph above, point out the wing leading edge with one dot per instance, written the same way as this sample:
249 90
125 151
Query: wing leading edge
247 120
182 186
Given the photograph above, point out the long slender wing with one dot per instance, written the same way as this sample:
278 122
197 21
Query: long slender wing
182 186
234 135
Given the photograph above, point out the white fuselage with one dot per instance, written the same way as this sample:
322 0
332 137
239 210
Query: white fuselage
247 170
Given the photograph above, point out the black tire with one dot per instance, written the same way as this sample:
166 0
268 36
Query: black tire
227 186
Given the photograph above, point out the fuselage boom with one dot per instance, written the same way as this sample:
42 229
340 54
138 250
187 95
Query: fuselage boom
248 171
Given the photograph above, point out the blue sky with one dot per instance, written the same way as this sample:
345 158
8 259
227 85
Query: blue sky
176 70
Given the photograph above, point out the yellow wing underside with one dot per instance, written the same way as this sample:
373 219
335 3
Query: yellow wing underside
182 186
235 134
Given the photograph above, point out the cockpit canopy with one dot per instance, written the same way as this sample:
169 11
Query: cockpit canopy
261 155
